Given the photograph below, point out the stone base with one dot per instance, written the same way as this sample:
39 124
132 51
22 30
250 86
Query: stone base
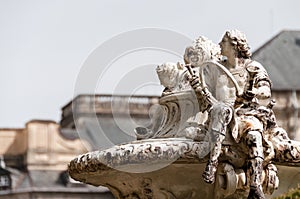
165 169
172 181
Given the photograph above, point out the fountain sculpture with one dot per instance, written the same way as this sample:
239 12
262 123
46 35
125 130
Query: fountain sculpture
214 134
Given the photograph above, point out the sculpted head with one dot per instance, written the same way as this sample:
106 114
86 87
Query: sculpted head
235 40
201 51
168 74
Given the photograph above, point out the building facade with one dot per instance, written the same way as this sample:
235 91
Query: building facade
34 163
281 58
106 120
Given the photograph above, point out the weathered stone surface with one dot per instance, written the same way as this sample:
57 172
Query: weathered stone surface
142 156
166 168
239 142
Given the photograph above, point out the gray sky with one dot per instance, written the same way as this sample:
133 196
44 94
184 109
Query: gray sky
43 44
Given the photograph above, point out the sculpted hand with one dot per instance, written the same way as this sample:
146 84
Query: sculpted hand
194 82
248 94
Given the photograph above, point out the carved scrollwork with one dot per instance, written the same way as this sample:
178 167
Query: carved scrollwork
139 152
181 138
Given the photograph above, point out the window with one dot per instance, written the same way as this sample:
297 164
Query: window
5 180
297 41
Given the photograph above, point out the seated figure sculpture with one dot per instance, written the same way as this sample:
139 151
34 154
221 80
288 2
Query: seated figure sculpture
231 97
252 125
255 84
209 120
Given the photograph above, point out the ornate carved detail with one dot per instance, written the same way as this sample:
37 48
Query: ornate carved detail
147 189
201 51
139 152
240 135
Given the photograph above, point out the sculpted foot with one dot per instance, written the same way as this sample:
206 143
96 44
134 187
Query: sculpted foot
256 193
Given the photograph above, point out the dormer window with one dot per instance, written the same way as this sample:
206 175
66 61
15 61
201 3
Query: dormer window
297 42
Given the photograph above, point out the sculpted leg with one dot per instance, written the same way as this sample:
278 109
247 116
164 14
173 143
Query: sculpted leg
256 156
286 150
211 167
220 116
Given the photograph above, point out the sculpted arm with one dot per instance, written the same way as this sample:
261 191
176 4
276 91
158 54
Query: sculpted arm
263 90
261 83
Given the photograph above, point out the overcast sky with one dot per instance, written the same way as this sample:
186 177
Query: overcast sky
44 44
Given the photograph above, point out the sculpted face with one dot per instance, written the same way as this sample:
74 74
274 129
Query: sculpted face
167 74
202 50
192 56
227 48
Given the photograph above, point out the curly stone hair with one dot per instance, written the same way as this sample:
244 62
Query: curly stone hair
239 41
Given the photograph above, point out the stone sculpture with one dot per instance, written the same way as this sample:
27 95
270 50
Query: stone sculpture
212 118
